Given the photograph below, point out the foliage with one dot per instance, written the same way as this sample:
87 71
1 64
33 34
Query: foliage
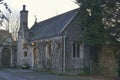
100 18
111 18
101 22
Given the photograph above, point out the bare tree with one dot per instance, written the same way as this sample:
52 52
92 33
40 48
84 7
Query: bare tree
3 18
11 23
9 20
14 25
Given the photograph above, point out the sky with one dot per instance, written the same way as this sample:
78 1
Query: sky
42 9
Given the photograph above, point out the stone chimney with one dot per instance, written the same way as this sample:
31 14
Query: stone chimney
24 6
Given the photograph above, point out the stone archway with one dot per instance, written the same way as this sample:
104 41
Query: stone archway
36 57
6 57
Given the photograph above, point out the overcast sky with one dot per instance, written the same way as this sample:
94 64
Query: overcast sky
43 9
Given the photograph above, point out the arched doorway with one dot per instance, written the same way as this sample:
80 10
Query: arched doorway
36 57
6 57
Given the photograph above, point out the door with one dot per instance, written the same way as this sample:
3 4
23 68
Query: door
6 57
36 58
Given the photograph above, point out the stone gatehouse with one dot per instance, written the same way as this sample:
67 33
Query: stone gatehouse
7 50
53 44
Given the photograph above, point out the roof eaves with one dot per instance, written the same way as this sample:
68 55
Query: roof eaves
33 40
68 23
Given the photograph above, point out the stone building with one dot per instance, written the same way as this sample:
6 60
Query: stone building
7 49
53 44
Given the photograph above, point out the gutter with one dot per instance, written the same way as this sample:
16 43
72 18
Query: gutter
64 53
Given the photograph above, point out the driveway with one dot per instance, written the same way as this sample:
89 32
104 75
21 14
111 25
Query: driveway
19 74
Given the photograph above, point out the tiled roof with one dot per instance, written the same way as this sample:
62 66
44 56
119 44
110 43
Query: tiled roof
53 26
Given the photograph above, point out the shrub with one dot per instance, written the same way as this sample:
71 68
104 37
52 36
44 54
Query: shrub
25 66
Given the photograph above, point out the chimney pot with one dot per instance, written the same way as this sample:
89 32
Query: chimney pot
24 7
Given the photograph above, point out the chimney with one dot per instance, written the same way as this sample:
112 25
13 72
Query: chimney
24 7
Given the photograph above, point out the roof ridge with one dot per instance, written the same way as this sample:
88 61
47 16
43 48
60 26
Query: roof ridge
53 26
61 14
55 16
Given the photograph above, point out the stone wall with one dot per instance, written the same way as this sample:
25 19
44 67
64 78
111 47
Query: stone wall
50 51
107 64
73 35
11 55
23 46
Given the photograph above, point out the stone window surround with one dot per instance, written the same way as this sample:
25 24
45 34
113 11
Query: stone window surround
76 50
25 53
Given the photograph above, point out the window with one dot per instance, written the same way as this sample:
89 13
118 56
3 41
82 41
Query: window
25 54
48 51
76 50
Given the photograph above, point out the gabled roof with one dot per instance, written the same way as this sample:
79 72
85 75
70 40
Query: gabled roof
53 26
4 35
